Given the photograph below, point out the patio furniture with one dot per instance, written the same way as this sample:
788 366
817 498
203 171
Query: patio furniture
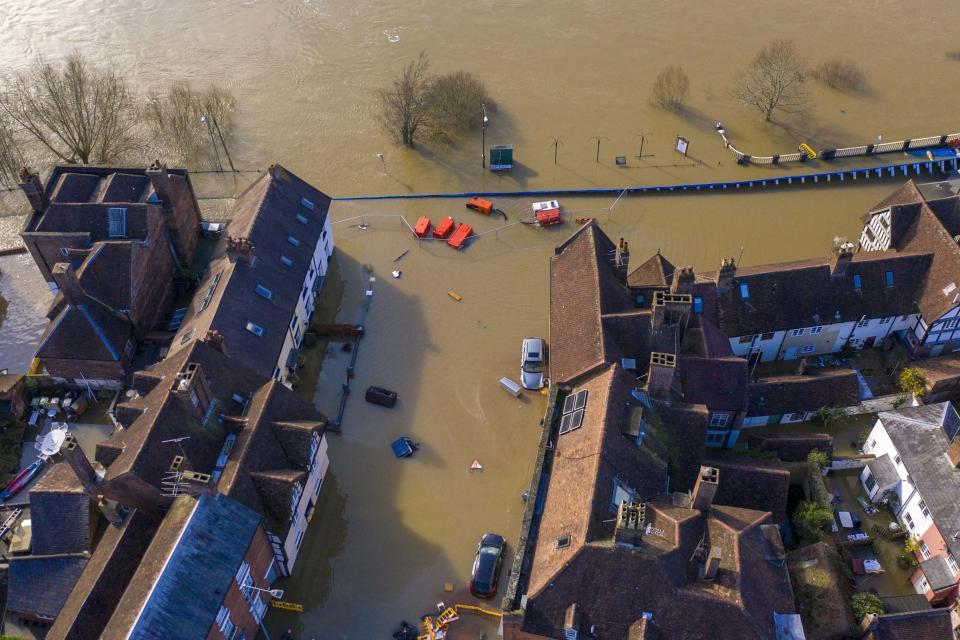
846 520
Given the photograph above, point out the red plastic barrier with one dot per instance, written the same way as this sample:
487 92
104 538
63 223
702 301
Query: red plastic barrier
460 236
443 229
422 227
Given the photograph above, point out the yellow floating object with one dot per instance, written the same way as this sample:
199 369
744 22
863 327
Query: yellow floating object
807 149
453 294
288 606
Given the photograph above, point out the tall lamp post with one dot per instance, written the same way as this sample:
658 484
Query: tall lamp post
205 120
276 593
483 137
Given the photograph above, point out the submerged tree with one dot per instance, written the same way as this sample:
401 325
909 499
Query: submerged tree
11 156
79 112
405 107
175 118
670 88
773 81
455 103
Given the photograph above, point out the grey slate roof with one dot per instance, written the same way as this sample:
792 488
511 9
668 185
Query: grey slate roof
60 513
920 435
884 470
937 572
207 536
39 585
905 604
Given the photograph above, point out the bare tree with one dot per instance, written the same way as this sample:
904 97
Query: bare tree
670 88
455 103
11 156
78 112
405 107
842 74
174 120
773 81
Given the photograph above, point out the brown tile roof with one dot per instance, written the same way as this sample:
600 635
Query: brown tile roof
795 393
107 274
804 294
62 515
751 483
266 215
656 271
583 287
929 234
85 332
718 383
100 586
934 624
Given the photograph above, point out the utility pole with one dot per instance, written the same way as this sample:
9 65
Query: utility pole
205 120
556 143
598 139
224 144
483 137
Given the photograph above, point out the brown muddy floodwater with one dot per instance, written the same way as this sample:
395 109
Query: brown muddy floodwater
388 533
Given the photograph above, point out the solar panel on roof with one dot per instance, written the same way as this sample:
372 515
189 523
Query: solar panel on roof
568 403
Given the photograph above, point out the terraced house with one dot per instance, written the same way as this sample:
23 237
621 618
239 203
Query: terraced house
260 288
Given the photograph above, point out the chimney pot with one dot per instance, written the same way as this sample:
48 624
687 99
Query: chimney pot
705 489
33 188
74 456
712 565
728 270
66 278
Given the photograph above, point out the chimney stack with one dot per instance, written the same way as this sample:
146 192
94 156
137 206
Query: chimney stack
631 523
73 455
160 180
622 259
660 374
33 189
215 339
842 255
683 279
571 622
728 270
191 386
706 488
712 565
66 278
240 248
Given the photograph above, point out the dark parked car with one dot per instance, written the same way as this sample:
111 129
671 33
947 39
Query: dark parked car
486 566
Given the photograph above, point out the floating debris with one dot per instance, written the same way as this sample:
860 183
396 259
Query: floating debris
397 273
476 466
401 256
453 294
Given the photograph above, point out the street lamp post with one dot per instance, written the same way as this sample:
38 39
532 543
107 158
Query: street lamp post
483 137
276 593
598 139
205 120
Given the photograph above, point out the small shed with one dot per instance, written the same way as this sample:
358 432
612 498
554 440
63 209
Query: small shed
501 157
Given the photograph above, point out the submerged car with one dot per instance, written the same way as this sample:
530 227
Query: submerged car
531 363
486 566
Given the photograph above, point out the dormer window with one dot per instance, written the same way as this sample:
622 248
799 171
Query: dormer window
117 219
744 291
254 328
857 282
308 203
263 291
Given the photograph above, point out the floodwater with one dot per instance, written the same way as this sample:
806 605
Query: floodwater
389 533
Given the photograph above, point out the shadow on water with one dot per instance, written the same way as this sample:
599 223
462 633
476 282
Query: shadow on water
362 568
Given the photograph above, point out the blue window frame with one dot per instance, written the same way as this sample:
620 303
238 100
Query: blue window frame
744 290
697 304
888 278
857 282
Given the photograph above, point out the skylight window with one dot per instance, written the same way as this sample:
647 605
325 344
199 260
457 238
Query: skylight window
263 291
697 304
744 291
254 328
287 262
573 410
293 241
308 203
302 219
117 219
888 278
211 288
857 282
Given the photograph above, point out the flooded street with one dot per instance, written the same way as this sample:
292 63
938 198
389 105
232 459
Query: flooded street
387 533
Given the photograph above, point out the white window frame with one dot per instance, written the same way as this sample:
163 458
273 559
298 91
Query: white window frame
796 333
719 419
924 550
808 348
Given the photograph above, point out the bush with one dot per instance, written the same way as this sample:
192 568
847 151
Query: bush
670 88
841 73
817 459
912 381
864 603
810 519
830 416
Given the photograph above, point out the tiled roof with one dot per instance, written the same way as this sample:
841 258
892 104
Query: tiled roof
107 273
583 287
798 393
656 271
206 536
61 513
938 573
718 383
921 436
805 294
100 586
905 604
884 470
934 624
39 585
266 215
87 331
752 483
